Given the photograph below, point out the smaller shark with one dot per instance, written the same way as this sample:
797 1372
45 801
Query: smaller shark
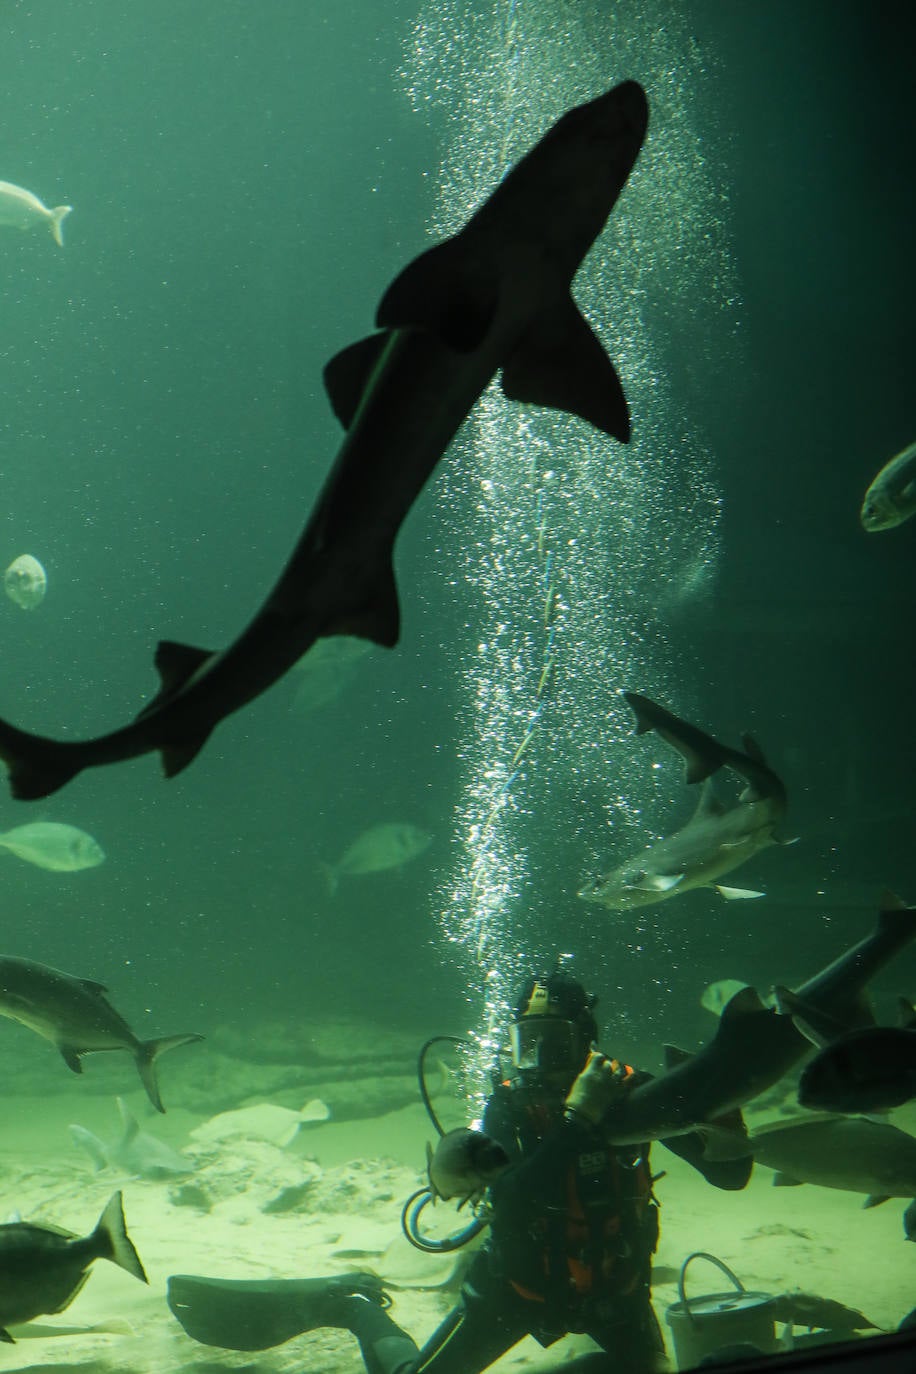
754 1045
717 838
135 1152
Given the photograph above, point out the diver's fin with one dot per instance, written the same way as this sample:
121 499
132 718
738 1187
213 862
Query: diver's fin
560 363
257 1314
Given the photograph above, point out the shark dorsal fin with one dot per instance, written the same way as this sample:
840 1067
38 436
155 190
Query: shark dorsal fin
347 375
559 362
97 989
129 1123
753 749
448 291
674 1055
176 664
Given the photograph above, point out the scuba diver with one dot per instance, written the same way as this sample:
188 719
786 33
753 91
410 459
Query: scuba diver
573 1225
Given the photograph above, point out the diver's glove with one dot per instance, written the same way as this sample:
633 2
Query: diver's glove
600 1084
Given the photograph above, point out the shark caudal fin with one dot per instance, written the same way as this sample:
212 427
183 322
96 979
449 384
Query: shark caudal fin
702 754
112 1242
36 766
146 1054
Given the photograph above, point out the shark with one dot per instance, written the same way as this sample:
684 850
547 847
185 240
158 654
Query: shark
495 297
134 1151
755 1045
717 838
77 1017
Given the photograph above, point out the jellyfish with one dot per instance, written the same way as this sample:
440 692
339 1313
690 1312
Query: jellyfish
26 582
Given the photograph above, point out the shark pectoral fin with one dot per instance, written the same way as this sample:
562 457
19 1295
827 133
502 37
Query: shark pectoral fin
448 291
347 375
736 894
784 1180
71 1058
657 882
876 1199
6 1337
559 362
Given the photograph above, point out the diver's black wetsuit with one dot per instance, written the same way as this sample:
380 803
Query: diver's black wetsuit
572 1233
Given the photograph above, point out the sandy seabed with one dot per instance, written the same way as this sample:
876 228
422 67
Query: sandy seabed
776 1239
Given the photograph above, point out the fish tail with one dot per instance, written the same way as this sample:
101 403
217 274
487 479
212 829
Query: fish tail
146 1054
58 215
331 880
113 1242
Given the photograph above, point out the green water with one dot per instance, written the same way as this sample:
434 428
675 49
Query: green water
246 179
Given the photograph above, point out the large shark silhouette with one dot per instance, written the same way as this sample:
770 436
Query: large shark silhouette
496 296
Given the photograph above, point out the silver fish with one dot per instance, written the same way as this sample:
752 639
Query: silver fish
20 209
494 297
51 845
76 1016
851 1153
716 840
42 1270
381 847
891 498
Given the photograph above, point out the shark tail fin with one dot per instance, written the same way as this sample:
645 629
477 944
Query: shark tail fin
58 215
560 363
36 766
146 1054
113 1241
702 754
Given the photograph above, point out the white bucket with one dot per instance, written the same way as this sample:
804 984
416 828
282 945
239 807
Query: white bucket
700 1326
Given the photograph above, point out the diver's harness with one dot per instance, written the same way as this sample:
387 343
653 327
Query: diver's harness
415 1204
